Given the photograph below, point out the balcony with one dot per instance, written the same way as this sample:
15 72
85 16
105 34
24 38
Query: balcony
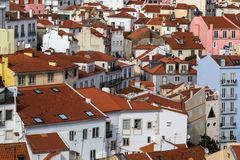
228 82
111 83
108 134
184 72
171 72
229 97
228 125
229 111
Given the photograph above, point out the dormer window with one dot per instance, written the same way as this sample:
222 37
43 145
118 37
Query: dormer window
223 63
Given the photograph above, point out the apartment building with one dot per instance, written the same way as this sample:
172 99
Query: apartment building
25 29
79 127
169 70
222 72
215 33
140 121
30 67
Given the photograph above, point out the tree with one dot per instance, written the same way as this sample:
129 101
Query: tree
210 144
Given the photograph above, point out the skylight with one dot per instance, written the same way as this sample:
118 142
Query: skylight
89 113
63 116
38 120
37 91
54 89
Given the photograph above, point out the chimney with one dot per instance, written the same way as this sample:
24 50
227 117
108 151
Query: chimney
150 57
18 14
30 13
191 93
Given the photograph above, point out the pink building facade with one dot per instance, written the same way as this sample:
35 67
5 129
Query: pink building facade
36 8
215 33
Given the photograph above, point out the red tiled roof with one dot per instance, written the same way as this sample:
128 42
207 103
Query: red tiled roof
137 33
218 22
20 63
97 56
125 9
162 101
236 149
233 18
142 20
96 5
230 60
145 46
82 74
186 93
49 104
70 24
148 148
15 7
189 41
138 156
45 22
46 143
185 6
63 33
170 86
153 8
135 2
11 151
122 15
96 33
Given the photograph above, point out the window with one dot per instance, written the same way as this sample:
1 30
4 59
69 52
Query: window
22 31
180 53
84 68
21 157
95 132
164 80
92 82
129 72
224 34
233 76
81 84
32 79
223 92
126 124
75 72
85 133
215 34
149 125
232 106
125 141
66 74
86 84
9 114
9 135
55 89
38 120
113 145
169 124
233 34
177 78
137 124
93 155
29 29
63 116
71 135
50 77
214 44
190 79
89 114
21 80
149 139
232 92
16 31
208 124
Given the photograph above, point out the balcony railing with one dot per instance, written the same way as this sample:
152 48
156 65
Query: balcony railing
108 134
229 111
171 72
226 139
111 83
228 82
229 97
228 125
184 71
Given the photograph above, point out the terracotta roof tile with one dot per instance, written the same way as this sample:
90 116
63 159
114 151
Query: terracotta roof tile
97 56
8 152
46 143
154 8
230 60
189 41
122 15
125 9
20 63
45 22
218 22
185 6
136 2
148 148
142 20
49 104
70 24
137 33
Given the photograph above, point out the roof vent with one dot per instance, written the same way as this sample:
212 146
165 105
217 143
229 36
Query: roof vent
51 63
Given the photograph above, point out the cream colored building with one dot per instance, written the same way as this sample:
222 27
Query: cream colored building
7 44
